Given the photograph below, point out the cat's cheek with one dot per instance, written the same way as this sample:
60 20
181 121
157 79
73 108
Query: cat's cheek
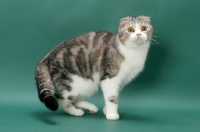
143 37
133 37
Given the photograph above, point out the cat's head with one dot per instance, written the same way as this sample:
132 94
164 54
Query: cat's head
135 30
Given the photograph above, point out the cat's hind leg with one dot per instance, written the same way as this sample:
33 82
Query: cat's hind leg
70 108
86 105
64 95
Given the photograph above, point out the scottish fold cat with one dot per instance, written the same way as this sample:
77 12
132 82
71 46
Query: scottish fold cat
76 68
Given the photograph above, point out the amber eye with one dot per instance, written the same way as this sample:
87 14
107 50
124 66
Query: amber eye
144 28
131 30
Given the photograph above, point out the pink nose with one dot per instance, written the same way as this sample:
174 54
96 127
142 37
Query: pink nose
138 34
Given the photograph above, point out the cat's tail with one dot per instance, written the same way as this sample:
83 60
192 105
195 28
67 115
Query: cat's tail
45 86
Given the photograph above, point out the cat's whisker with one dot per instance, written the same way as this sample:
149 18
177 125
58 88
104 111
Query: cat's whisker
157 36
153 41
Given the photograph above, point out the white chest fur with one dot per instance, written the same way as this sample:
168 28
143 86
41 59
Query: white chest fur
133 63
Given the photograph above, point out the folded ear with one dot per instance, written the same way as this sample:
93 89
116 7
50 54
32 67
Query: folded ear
123 21
146 18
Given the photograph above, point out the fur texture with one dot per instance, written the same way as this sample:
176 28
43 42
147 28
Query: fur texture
77 67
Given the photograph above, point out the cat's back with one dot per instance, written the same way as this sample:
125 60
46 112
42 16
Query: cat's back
82 55
87 42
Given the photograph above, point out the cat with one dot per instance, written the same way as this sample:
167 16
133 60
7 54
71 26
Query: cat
77 67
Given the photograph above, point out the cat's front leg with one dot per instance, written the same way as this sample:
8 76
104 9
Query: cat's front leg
111 92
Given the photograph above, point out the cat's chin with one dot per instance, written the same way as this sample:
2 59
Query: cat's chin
139 41
134 43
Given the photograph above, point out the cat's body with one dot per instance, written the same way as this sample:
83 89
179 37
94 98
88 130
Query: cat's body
76 68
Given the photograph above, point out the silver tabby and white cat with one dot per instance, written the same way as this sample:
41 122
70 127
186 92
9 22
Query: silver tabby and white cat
77 67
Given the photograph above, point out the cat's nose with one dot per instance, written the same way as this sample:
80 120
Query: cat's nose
138 34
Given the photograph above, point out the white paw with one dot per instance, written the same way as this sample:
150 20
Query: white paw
92 108
112 116
77 112
104 110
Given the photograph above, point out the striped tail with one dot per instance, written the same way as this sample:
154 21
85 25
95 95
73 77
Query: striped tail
45 87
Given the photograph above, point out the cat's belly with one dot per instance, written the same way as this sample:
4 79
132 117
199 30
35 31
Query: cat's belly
85 87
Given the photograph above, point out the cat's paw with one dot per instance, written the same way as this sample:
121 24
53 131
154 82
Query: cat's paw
112 116
77 112
92 108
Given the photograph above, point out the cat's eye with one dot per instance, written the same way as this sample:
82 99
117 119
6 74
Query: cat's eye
130 30
143 28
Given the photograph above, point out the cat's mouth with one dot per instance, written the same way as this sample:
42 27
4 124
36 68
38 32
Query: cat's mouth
139 40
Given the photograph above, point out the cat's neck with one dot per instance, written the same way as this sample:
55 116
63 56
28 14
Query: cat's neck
137 51
134 60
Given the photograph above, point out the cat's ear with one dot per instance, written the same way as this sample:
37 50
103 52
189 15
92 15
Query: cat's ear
123 21
146 18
